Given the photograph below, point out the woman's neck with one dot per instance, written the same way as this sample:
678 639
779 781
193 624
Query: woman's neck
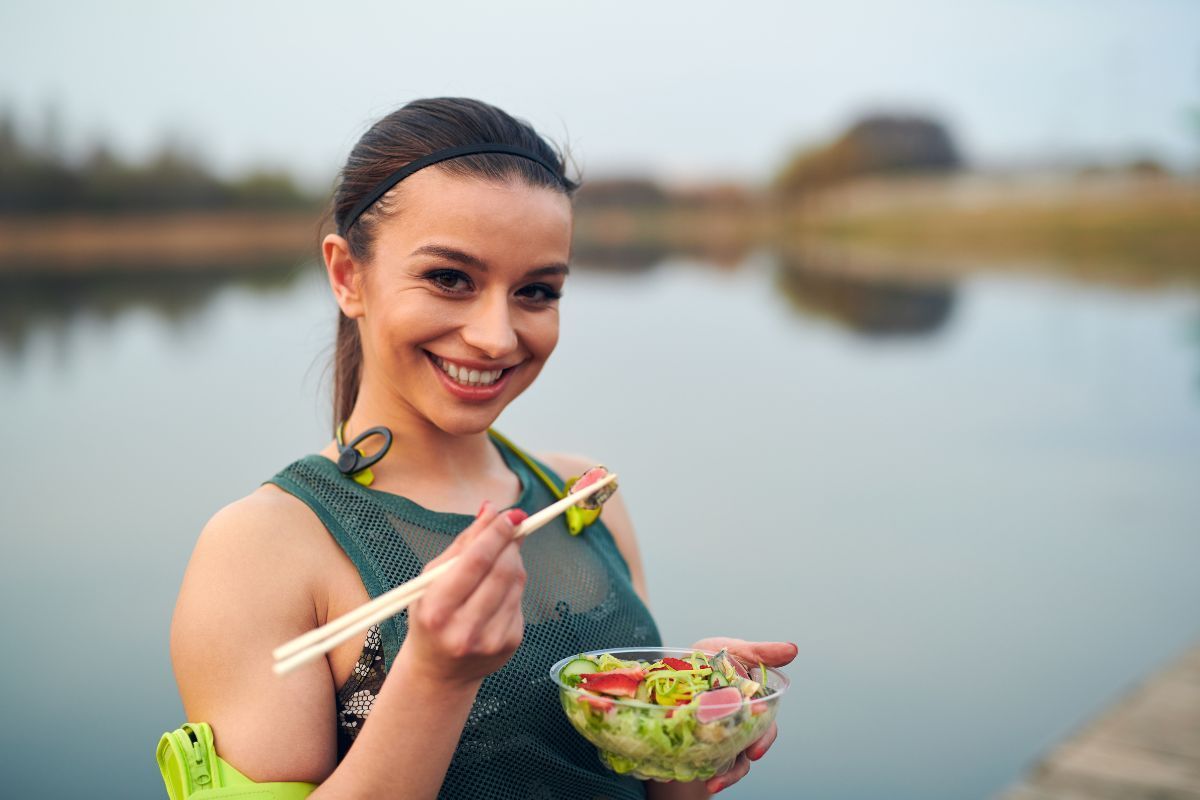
440 470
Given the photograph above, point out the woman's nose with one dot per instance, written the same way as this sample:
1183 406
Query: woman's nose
489 328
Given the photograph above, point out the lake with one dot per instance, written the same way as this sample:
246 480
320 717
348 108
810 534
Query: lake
973 503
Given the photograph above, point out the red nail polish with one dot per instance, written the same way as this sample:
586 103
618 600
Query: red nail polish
516 516
482 508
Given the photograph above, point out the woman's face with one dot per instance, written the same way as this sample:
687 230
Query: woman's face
458 308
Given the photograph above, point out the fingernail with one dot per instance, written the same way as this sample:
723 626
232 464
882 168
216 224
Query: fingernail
482 508
516 516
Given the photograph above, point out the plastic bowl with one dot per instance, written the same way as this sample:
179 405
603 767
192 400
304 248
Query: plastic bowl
666 743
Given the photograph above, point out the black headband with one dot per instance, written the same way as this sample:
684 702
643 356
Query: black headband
444 155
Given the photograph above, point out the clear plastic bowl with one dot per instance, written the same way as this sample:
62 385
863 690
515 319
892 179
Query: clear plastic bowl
666 743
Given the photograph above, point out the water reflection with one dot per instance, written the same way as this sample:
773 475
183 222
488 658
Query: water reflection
872 305
52 300
885 300
626 256
1195 341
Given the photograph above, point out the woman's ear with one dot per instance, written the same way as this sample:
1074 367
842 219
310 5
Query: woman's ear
345 276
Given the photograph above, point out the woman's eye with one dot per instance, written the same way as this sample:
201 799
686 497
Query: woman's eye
540 293
449 280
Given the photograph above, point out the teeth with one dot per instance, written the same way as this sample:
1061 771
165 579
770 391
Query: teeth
468 377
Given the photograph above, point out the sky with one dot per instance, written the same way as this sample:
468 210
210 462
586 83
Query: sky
681 90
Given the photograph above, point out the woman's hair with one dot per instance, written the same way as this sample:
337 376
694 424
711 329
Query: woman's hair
403 136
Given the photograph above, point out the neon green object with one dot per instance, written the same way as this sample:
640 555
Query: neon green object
577 518
192 770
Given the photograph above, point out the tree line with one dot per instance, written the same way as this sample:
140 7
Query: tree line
36 177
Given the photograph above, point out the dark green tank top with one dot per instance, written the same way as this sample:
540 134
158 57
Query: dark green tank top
517 743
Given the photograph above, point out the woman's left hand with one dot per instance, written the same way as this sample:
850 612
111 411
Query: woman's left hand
773 654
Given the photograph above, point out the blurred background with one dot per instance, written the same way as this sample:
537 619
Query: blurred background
916 286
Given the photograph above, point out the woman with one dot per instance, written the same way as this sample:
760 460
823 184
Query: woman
453 238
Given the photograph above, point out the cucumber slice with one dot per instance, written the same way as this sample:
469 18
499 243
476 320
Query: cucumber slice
579 666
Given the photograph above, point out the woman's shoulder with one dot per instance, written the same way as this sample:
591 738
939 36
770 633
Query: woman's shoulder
268 521
566 465
615 516
267 542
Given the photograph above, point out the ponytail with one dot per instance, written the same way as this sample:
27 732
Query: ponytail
347 368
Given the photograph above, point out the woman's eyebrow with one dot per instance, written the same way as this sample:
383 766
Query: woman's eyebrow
454 254
441 251
549 269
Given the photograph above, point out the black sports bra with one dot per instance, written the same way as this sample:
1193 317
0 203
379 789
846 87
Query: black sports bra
357 695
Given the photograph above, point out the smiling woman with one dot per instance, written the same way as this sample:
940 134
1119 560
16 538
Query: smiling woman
452 244
465 284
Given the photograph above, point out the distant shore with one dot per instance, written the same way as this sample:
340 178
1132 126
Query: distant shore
1130 231
1149 222
182 241
1139 230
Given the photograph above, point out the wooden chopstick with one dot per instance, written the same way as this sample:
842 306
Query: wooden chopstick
314 643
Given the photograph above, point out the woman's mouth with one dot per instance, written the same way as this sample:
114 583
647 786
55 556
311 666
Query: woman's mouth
468 382
465 376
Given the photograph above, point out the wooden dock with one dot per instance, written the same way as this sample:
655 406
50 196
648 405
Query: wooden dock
1146 747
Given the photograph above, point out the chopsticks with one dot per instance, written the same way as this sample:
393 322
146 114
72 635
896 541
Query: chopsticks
310 645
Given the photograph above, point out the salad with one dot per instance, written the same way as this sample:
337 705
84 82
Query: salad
679 717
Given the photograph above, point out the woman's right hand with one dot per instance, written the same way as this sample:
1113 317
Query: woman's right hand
465 627
469 622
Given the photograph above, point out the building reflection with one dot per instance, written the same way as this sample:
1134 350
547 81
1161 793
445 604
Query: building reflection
867 301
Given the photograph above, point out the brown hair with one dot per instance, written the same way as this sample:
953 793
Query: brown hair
403 136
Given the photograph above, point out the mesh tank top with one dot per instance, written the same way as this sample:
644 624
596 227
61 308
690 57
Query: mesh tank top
517 743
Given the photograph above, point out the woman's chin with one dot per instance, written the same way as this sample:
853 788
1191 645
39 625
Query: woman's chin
467 424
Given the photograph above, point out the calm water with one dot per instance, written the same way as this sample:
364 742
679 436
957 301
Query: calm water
974 506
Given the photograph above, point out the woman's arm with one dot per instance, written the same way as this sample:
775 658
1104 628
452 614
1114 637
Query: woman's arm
252 584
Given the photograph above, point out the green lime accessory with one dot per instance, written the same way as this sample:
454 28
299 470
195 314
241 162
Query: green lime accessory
192 770
577 518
